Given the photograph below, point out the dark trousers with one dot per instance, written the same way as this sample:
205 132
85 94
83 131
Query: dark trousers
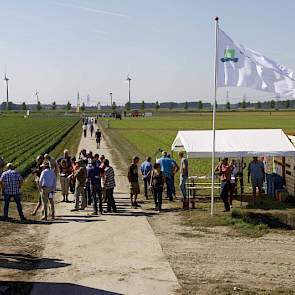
169 188
241 181
173 185
225 185
96 197
88 193
110 200
18 204
85 132
158 197
146 182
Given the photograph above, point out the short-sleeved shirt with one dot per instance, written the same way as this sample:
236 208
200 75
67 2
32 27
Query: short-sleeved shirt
11 180
256 170
166 166
146 168
109 178
184 167
133 173
225 172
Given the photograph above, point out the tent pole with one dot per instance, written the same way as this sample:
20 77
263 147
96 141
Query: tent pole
214 114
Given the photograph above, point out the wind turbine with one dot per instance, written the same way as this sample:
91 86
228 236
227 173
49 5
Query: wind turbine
6 79
129 94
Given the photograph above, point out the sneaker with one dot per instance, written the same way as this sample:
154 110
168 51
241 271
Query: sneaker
93 213
44 218
74 210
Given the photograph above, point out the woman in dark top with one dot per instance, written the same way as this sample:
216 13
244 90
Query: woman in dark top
157 184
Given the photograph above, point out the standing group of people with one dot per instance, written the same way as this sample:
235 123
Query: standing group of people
230 173
156 176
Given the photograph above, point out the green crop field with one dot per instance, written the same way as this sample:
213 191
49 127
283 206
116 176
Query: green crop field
22 139
145 136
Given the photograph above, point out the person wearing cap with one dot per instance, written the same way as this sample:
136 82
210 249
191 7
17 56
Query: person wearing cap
11 182
167 169
134 181
47 185
80 177
52 163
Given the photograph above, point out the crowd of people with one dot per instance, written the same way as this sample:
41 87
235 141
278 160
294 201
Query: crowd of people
91 179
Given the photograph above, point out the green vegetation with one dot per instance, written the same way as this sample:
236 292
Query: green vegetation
22 139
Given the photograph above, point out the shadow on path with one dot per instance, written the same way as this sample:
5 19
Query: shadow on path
28 262
26 288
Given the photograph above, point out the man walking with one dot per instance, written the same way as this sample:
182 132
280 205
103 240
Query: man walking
80 177
183 174
146 170
133 181
109 185
47 185
11 182
98 138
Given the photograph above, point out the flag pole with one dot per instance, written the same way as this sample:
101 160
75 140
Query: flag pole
214 114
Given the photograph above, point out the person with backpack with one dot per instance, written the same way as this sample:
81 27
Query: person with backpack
157 184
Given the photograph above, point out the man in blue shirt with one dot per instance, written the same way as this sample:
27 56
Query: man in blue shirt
11 182
167 169
146 170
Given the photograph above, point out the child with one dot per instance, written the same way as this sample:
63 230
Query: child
157 184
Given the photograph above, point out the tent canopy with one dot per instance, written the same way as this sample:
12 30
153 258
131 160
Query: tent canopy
234 143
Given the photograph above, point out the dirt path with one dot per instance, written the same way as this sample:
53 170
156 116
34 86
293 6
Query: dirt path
109 254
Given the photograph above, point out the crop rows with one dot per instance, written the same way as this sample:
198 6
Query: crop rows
21 140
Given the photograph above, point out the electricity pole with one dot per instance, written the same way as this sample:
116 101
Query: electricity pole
129 94
111 96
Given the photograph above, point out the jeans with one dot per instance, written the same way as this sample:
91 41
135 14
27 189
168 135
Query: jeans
110 200
158 197
182 185
18 204
96 193
146 182
169 188
224 189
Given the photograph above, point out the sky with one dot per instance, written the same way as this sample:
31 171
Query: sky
61 47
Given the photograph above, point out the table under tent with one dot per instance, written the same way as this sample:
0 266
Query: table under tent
233 143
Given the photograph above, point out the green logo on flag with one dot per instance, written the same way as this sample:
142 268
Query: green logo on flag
229 55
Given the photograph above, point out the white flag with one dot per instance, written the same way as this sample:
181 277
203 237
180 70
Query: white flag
243 67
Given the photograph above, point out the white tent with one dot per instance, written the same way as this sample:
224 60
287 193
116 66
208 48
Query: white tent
234 143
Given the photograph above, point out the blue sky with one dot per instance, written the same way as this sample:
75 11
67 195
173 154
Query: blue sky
167 47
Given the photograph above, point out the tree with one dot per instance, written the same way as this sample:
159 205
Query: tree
142 107
258 105
127 106
24 106
243 104
227 105
287 103
186 105
114 106
68 106
39 107
272 104
53 105
83 107
200 105
157 105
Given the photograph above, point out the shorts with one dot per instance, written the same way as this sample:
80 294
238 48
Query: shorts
134 188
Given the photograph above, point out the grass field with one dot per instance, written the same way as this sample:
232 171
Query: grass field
23 139
144 136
